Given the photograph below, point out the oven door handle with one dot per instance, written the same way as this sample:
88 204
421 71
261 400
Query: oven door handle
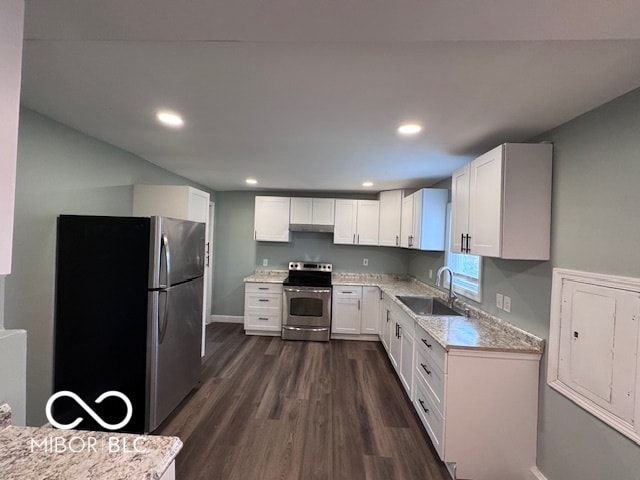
307 290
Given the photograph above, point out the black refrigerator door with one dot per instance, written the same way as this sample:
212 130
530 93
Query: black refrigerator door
101 318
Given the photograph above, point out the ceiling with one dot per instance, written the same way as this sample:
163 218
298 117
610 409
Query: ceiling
307 94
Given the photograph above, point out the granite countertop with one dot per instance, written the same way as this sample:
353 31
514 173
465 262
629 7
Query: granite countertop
477 331
45 453
268 276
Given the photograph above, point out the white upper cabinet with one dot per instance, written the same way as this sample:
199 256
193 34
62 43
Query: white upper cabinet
311 211
356 222
175 201
423 219
11 38
272 219
503 198
390 216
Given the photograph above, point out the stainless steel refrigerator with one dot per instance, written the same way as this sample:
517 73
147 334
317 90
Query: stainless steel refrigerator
128 317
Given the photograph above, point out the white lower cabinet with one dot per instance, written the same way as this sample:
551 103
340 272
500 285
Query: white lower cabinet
355 310
346 309
263 308
401 344
478 407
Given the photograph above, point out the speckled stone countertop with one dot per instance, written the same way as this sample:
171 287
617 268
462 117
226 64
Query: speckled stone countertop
268 276
44 453
478 330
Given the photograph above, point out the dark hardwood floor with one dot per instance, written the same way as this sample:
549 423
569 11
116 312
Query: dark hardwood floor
273 409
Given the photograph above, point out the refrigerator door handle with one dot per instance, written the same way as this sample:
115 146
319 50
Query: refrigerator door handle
164 248
162 327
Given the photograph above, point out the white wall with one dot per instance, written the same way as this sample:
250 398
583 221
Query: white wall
60 171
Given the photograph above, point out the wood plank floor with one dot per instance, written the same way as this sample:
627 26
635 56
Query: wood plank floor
273 409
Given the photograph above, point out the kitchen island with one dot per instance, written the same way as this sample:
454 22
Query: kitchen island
39 453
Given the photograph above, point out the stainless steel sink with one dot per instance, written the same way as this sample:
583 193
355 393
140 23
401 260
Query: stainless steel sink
426 305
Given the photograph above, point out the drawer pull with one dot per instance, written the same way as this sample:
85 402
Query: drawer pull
426 343
425 368
263 318
263 288
426 410
263 300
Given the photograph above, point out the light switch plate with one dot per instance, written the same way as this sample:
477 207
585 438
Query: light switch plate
507 304
499 300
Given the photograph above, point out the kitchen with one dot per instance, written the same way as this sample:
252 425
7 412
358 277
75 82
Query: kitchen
594 228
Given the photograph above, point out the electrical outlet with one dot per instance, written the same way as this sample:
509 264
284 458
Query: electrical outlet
507 304
499 300
430 274
365 262
265 262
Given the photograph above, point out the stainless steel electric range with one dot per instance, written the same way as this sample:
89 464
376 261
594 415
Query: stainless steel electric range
307 302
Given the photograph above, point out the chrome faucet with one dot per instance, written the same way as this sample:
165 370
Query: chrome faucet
452 296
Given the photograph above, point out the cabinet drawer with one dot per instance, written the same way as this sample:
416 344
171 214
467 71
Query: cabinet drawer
263 287
431 418
263 300
262 321
432 376
430 348
348 291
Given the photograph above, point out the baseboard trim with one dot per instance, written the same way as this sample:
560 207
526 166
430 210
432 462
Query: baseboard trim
226 319
537 474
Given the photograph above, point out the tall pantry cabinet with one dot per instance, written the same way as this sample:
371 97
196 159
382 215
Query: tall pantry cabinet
185 203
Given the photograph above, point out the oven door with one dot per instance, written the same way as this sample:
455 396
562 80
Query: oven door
307 307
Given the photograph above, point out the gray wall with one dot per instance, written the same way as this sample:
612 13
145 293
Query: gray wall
238 255
60 170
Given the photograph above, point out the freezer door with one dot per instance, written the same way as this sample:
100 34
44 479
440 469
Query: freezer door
176 333
177 249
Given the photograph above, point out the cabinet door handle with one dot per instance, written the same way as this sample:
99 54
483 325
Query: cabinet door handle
358 239
387 316
399 331
358 304
397 336
426 343
462 243
397 240
468 243
426 410
425 368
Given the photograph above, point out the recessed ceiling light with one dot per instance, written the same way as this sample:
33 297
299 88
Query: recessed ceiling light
408 129
251 181
367 184
170 119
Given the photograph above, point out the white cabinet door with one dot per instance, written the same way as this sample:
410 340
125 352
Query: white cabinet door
406 222
370 310
11 38
459 208
346 216
323 211
272 219
346 310
356 222
485 204
385 325
405 368
367 222
301 210
390 217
